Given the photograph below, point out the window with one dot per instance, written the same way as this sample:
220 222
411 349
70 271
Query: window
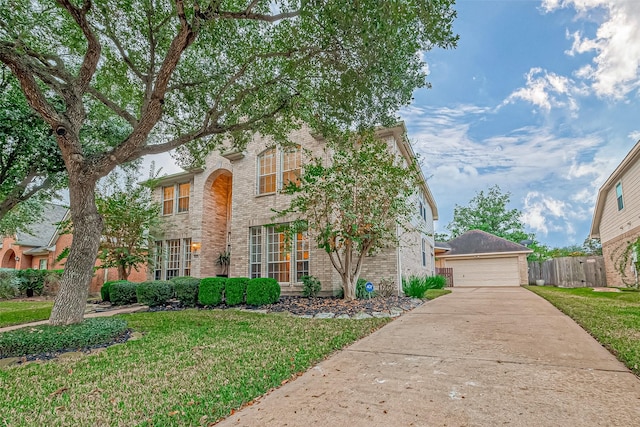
186 256
255 252
291 159
424 252
159 261
183 197
267 172
619 196
167 200
302 256
172 258
173 262
42 264
277 258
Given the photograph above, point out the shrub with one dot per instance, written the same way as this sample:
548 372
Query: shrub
154 292
52 282
123 292
211 290
235 289
435 282
104 290
361 291
186 290
414 286
310 286
261 291
386 288
8 283
45 338
31 281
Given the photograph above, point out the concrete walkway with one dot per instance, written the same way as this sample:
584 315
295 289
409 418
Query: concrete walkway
476 357
106 313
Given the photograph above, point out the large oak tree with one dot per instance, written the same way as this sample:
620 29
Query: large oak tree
172 73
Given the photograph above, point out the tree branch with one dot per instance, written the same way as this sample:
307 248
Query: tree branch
133 121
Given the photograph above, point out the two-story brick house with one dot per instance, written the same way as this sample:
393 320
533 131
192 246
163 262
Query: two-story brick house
228 206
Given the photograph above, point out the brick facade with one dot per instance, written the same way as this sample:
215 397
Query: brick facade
225 205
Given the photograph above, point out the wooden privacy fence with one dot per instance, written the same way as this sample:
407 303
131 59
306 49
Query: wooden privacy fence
569 272
447 273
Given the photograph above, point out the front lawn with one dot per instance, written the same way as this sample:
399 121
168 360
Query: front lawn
613 318
17 312
191 367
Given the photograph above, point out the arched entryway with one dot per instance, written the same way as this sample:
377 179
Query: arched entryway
9 259
216 221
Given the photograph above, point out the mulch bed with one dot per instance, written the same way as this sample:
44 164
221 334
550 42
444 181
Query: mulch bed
311 306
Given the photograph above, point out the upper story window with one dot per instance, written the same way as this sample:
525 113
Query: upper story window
267 172
291 160
170 203
274 174
183 197
619 196
168 196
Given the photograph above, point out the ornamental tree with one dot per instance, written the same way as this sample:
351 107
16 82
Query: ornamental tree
356 204
488 212
168 74
129 212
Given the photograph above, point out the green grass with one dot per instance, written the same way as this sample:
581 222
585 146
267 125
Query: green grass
613 318
17 312
191 367
435 293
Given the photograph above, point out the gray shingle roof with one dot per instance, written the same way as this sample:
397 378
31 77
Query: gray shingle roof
480 242
43 231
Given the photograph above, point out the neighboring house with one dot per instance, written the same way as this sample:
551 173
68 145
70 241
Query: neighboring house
616 217
483 259
41 247
228 206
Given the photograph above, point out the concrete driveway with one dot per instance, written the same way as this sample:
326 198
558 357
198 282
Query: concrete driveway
476 357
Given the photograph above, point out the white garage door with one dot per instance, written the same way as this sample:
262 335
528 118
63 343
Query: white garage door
485 272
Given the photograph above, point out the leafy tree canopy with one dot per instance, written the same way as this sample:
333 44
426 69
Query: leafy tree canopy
488 212
31 166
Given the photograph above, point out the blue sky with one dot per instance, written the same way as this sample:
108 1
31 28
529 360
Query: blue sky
540 97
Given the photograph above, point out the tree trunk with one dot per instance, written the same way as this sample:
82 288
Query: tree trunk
123 273
69 304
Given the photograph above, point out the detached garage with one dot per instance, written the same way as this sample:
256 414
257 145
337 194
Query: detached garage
482 259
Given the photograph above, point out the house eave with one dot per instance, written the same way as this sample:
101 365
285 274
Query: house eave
487 254
630 159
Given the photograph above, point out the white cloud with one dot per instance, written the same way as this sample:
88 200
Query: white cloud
543 214
547 90
615 68
635 135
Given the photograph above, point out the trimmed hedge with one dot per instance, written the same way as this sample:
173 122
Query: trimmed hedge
235 290
104 290
211 290
45 338
186 290
261 291
123 292
154 292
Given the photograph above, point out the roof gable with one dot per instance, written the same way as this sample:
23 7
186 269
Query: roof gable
43 231
481 242
631 159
